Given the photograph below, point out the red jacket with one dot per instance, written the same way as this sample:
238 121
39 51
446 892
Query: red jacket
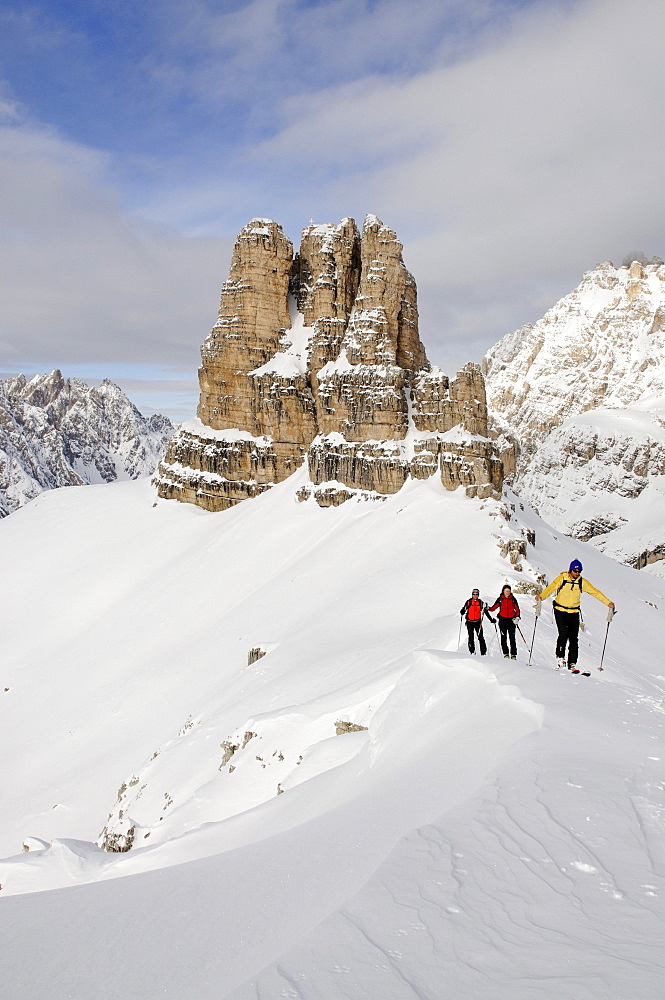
508 607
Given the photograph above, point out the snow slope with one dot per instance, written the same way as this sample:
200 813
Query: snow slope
496 830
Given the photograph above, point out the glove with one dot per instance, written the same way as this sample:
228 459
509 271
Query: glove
493 620
516 619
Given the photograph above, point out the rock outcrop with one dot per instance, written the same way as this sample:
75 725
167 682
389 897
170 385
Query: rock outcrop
318 357
600 477
57 431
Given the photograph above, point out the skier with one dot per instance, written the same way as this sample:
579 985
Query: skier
508 616
474 609
569 587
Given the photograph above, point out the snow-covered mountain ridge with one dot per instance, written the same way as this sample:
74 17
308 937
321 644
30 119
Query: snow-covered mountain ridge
579 396
57 431
487 806
601 345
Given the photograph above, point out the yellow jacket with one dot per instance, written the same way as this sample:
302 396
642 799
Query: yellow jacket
569 591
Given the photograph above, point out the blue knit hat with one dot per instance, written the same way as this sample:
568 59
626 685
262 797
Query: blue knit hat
576 564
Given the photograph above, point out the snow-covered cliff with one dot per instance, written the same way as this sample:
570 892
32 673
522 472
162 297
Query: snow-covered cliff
57 431
580 395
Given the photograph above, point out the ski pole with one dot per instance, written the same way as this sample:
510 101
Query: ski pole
459 637
533 637
521 633
610 615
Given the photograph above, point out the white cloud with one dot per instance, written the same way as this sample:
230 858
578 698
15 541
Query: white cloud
511 146
263 48
510 172
81 279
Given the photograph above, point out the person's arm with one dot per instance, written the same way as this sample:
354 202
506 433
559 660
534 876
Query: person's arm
486 612
495 605
589 588
551 588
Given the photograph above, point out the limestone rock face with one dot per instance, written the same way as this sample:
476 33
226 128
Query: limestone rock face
383 328
326 274
600 477
252 320
319 357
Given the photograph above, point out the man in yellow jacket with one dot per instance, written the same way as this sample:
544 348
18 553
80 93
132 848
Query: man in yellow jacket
569 587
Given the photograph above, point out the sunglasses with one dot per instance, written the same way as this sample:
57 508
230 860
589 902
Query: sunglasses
578 571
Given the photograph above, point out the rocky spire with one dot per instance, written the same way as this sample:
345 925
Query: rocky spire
251 328
320 356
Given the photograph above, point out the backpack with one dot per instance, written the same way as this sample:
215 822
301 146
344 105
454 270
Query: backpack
474 609
506 603
571 583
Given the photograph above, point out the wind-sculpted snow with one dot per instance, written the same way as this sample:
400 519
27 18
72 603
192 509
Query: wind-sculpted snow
60 432
518 894
495 830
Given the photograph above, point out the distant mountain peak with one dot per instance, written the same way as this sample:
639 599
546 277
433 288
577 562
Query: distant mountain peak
57 431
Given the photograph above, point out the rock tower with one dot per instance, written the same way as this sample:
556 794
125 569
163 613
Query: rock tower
317 357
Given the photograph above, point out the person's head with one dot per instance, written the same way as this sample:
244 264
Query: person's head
475 592
506 590
575 567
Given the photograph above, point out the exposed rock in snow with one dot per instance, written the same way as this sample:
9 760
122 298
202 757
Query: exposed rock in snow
340 377
60 432
600 477
577 403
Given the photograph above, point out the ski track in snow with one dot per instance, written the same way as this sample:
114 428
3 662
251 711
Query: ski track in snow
496 831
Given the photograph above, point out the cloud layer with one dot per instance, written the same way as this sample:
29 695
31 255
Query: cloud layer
512 145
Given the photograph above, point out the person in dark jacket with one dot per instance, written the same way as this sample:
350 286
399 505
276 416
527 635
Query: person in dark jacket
473 610
508 616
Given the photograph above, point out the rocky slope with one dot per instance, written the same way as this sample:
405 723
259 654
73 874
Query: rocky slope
317 357
577 404
60 432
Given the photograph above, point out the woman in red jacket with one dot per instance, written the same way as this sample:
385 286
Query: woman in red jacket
509 615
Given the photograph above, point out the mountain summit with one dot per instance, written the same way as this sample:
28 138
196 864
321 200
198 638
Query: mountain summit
57 431
579 400
318 357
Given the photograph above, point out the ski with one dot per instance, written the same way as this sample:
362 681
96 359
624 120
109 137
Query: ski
582 673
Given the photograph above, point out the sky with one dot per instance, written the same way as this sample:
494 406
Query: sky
512 144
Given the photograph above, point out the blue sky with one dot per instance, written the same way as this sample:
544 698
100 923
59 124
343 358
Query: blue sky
512 145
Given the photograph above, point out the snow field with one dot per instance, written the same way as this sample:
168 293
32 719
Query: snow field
495 831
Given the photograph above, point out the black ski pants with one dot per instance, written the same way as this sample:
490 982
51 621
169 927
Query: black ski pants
568 624
507 630
476 629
